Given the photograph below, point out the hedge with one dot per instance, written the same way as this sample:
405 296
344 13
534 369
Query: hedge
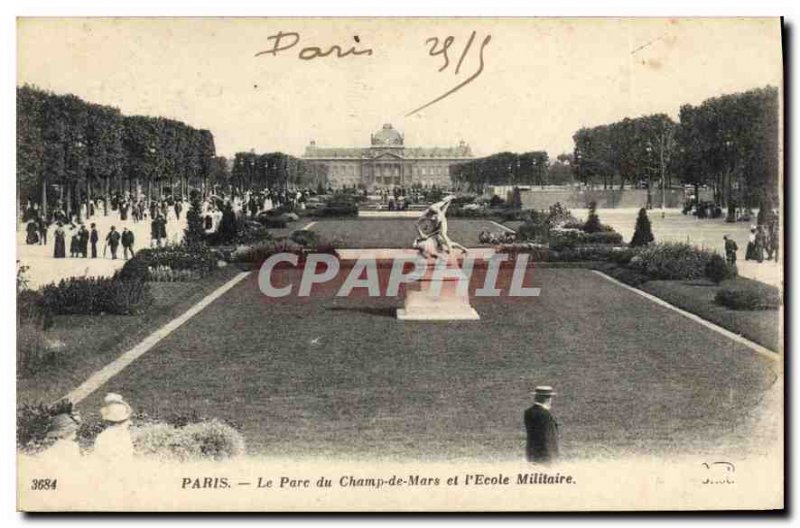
94 296
672 261
569 238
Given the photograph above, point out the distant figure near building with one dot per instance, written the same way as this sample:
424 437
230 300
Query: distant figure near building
541 427
730 250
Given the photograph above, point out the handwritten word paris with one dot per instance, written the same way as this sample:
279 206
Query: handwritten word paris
447 49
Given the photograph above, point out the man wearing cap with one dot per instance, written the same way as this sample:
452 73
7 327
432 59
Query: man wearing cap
541 427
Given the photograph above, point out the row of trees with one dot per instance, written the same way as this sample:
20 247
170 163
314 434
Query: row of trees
729 143
71 150
274 170
505 168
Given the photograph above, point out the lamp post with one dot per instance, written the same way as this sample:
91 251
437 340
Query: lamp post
649 168
731 216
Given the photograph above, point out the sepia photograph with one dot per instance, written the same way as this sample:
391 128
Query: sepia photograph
399 264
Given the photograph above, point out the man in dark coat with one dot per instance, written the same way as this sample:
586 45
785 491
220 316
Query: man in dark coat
542 428
93 238
112 239
83 236
730 250
127 242
155 231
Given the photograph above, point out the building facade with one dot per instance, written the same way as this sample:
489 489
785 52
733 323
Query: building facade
387 162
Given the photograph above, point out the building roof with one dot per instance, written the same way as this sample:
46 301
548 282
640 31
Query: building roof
387 138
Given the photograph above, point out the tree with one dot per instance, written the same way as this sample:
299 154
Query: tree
592 224
643 233
194 235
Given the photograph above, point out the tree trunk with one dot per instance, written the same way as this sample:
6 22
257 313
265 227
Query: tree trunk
107 198
44 198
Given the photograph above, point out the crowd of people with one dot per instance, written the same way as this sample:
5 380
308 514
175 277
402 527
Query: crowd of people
69 231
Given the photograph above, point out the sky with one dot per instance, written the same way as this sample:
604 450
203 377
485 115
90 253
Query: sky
540 79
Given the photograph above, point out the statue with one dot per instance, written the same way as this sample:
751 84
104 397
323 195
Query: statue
433 240
437 296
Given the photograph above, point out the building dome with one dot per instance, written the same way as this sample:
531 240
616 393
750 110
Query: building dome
387 136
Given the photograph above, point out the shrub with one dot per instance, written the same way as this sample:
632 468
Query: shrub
33 422
643 233
496 201
228 229
305 238
92 296
672 261
212 439
626 275
199 259
749 295
591 252
135 269
592 224
256 255
569 238
335 208
31 310
194 235
622 255
718 269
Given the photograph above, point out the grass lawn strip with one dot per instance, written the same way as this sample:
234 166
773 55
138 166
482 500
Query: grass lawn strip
325 376
755 347
91 342
100 377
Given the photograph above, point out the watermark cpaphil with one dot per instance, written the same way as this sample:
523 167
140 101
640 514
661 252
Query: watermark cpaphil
493 276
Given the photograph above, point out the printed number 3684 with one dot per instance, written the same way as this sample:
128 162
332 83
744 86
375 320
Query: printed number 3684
43 484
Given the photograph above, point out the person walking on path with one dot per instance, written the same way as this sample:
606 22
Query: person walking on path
155 231
42 225
730 250
60 248
127 242
83 238
541 427
93 238
74 242
112 239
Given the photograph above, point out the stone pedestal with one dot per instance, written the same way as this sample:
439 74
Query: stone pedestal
437 299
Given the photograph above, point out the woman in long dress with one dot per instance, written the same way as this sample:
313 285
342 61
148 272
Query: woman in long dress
60 250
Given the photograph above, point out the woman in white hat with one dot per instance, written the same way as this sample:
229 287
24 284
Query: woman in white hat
115 441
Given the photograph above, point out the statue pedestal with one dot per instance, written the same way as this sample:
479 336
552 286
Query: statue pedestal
437 298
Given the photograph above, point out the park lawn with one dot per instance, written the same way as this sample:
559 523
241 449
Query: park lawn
325 376
396 232
91 341
697 297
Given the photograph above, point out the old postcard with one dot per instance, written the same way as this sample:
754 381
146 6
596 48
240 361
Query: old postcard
408 264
